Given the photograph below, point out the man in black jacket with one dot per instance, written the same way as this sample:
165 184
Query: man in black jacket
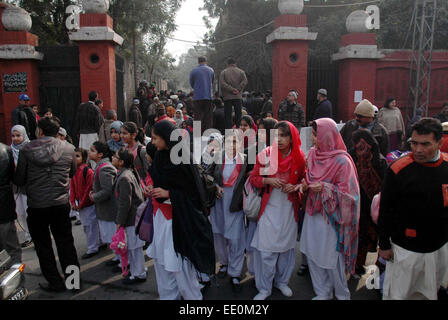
413 218
88 122
8 232
324 108
44 168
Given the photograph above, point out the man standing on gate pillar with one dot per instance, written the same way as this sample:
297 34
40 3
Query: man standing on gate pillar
232 81
201 80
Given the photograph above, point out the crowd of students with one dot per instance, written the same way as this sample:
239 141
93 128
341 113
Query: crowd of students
325 198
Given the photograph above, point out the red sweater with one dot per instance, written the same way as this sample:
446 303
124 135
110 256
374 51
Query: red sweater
80 187
444 147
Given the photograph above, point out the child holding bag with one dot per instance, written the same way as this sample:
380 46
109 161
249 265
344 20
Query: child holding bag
128 196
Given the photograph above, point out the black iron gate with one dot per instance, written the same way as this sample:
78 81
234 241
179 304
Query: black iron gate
322 73
60 87
119 65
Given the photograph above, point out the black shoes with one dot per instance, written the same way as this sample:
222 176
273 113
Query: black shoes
89 255
78 223
360 271
442 294
222 273
27 243
236 286
117 269
129 281
303 270
50 288
104 246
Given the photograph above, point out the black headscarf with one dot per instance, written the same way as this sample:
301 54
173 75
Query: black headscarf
370 163
151 150
192 231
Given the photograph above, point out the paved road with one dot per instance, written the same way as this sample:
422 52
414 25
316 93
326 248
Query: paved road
99 282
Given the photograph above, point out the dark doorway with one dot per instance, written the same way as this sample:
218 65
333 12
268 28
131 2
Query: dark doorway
322 73
60 87
119 66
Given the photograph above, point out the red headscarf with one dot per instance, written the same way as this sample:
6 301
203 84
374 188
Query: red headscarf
294 163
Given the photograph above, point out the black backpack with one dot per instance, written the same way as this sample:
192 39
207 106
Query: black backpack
209 187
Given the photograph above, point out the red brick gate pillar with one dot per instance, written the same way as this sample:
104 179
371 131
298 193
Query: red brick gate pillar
290 53
357 56
18 64
97 41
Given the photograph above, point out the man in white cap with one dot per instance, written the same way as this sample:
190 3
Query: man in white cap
324 107
365 118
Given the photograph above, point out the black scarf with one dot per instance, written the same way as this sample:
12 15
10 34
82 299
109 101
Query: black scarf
192 231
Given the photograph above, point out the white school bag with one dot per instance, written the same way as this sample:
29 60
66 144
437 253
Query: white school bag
251 201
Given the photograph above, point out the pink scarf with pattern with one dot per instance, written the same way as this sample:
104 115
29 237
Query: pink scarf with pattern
339 200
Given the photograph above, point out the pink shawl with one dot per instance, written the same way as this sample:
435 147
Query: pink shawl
339 200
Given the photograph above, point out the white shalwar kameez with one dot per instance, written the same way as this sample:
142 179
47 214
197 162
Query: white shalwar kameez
274 242
107 231
21 207
136 258
327 266
414 275
228 227
90 223
176 277
250 231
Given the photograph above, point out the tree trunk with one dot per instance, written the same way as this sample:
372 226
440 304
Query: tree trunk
134 49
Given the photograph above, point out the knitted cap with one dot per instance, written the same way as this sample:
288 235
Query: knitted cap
445 126
365 109
322 92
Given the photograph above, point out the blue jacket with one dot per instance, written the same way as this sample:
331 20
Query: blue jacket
201 80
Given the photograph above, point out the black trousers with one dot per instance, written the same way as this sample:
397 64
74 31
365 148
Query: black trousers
56 220
237 105
203 111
